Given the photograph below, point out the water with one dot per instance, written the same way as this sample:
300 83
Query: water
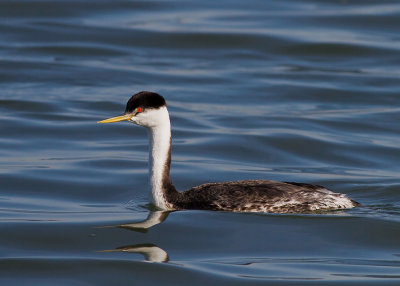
286 90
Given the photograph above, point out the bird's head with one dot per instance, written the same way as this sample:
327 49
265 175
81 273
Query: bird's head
145 108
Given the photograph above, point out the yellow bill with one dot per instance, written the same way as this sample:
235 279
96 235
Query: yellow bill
117 118
109 250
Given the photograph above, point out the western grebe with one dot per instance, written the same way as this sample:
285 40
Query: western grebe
149 109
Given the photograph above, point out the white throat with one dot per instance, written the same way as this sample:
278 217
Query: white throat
160 141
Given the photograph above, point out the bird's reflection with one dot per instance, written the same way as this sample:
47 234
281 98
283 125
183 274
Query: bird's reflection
151 252
154 218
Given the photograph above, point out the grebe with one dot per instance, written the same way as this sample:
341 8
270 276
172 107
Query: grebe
149 109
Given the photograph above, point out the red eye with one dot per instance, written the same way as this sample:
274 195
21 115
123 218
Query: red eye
139 109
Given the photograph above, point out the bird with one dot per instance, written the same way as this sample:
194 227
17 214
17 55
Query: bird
149 109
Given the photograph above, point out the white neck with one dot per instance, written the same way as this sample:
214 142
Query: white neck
159 160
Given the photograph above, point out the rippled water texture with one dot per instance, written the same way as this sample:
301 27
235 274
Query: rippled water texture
303 91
